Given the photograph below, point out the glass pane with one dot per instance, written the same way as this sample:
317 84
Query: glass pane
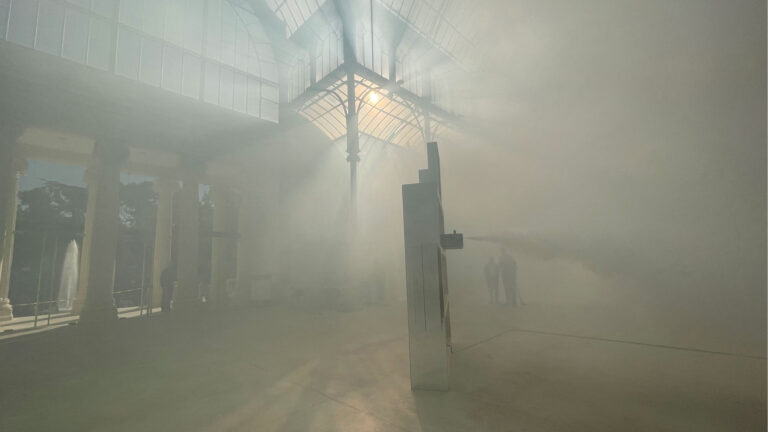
5 6
151 62
104 7
226 89
75 36
213 35
82 3
128 48
130 13
385 65
172 69
304 9
241 92
174 22
269 71
254 67
269 92
50 25
211 91
100 44
190 83
153 17
21 25
241 47
228 23
193 25
269 110
254 92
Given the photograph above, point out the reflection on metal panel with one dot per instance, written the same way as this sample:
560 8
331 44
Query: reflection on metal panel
429 329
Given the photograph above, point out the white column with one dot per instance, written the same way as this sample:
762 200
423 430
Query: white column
92 184
164 188
11 168
100 244
186 296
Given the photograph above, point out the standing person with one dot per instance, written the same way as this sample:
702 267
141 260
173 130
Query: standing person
492 279
167 281
509 277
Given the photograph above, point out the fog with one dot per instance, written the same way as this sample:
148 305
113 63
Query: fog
629 138
617 149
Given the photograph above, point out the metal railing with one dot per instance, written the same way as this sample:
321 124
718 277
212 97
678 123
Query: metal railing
36 306
144 308
45 284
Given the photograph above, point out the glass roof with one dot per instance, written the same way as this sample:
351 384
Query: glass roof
382 114
410 46
231 53
294 13
449 25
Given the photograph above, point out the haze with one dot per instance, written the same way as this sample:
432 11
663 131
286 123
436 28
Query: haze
200 232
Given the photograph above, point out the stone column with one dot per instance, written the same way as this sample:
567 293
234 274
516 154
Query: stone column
102 232
186 296
92 184
164 188
223 242
11 168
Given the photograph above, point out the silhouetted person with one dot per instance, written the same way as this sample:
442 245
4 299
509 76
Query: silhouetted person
167 280
491 271
509 277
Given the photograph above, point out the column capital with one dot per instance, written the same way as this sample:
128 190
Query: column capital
165 186
112 152
106 157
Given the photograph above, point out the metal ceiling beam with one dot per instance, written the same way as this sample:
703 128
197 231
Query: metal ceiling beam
420 102
306 35
274 28
339 73
315 89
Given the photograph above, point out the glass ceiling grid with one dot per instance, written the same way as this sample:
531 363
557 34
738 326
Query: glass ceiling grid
294 13
370 114
389 119
384 124
446 24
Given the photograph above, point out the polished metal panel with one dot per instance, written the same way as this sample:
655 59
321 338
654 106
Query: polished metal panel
426 282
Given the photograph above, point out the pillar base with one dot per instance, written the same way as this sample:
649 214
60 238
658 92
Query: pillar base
97 315
77 306
6 310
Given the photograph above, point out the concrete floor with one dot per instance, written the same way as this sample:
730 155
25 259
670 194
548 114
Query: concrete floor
295 369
